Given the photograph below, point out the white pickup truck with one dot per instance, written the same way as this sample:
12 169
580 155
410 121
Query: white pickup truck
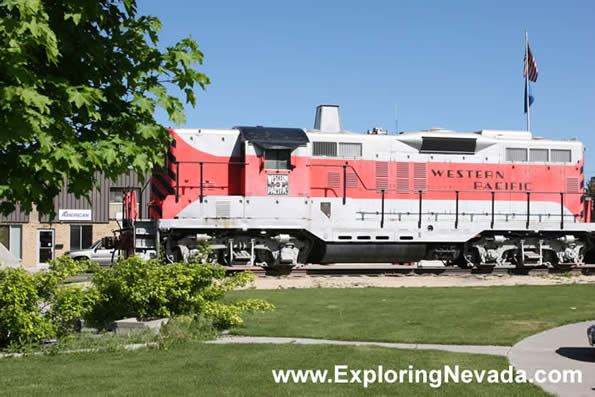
101 251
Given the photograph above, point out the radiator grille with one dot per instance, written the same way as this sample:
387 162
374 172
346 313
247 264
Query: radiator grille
223 209
403 177
334 180
572 185
419 176
352 180
350 149
381 175
324 149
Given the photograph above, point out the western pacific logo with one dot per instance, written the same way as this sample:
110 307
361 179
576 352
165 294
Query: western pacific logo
484 180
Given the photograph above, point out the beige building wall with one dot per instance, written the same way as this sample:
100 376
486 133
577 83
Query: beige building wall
30 244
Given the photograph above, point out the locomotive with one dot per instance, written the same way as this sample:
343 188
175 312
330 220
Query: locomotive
280 197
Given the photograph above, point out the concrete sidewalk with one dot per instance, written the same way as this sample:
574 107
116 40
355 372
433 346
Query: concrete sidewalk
559 348
492 350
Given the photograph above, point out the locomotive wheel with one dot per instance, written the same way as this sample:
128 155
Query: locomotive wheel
471 258
460 262
223 257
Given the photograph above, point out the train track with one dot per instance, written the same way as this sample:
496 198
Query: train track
338 271
387 270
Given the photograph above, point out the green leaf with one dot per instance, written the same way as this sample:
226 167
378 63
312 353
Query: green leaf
76 17
80 84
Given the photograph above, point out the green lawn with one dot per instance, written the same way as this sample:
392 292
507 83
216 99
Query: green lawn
236 370
471 315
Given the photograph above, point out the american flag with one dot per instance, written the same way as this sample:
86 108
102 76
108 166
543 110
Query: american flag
532 65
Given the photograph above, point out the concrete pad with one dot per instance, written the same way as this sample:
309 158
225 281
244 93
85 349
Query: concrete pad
491 350
7 259
131 325
562 348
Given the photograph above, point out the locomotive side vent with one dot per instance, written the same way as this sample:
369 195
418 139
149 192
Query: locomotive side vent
223 209
381 175
561 156
333 180
352 181
419 176
403 177
448 145
572 185
328 149
347 149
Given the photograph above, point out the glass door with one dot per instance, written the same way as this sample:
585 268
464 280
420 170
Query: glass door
45 244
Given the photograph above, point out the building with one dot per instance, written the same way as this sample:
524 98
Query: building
35 240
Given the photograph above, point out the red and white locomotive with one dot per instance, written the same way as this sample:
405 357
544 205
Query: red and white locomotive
278 197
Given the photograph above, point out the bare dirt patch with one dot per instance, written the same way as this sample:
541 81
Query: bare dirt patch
392 281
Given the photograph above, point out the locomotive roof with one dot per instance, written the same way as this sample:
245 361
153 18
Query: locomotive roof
273 137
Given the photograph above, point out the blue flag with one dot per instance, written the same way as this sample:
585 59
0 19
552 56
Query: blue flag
531 98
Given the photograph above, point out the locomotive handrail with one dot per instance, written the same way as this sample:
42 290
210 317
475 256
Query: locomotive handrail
457 192
439 190
213 162
201 163
385 190
528 208
493 193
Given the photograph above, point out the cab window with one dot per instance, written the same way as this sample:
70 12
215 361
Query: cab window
277 159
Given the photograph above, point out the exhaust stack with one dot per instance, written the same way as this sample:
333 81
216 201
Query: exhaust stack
327 118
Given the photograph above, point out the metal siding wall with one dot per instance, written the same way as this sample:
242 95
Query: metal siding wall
17 216
99 200
100 197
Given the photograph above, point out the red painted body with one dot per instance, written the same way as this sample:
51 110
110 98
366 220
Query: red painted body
180 184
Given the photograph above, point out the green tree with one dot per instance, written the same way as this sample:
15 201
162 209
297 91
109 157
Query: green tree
79 83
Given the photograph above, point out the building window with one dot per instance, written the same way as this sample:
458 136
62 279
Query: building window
81 237
277 159
115 201
10 237
350 149
560 156
514 154
328 149
538 155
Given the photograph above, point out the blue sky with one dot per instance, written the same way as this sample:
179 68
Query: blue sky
456 64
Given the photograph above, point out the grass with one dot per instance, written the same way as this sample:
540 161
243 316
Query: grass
471 315
237 370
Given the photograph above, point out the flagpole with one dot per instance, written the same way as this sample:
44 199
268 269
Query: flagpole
527 102
396 121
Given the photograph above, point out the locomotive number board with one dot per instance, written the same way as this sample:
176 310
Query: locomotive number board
278 184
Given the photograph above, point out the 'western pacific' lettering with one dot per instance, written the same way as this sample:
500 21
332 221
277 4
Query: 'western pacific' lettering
469 174
489 180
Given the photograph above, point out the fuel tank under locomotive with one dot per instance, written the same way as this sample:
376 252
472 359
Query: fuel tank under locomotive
370 253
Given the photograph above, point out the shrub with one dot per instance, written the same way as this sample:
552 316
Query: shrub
149 289
34 307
